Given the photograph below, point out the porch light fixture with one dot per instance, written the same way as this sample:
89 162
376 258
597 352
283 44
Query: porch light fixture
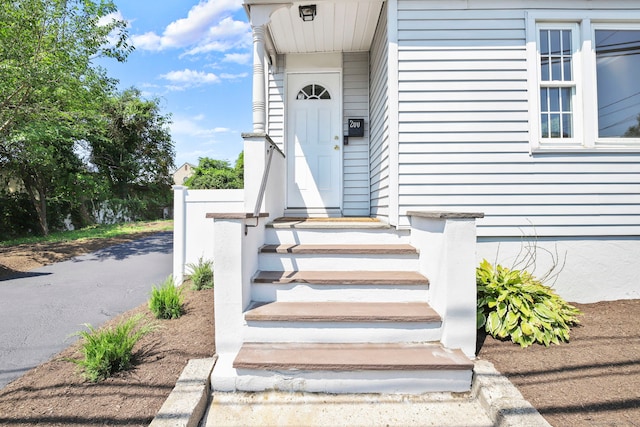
308 12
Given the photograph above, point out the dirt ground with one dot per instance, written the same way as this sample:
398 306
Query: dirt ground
592 381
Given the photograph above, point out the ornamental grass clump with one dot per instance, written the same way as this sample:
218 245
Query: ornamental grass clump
109 350
201 274
166 300
514 304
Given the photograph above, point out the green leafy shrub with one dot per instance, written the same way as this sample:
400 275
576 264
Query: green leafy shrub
512 303
109 350
201 274
166 300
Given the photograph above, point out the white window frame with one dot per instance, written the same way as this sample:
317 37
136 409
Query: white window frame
585 121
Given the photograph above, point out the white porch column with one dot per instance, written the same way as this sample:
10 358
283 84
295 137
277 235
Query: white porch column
259 93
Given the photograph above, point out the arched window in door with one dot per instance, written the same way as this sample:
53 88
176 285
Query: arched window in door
313 91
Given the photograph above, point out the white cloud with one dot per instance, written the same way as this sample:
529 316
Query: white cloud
238 58
147 41
189 78
188 127
208 27
227 76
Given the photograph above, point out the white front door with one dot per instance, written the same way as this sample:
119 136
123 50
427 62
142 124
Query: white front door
314 142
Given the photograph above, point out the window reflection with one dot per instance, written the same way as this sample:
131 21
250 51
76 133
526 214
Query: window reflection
618 81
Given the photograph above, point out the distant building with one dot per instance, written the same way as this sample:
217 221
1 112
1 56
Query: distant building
182 173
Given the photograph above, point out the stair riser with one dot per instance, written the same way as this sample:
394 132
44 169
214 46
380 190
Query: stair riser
301 292
383 382
344 332
291 262
330 237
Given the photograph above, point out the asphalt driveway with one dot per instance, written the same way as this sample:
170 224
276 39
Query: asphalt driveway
42 309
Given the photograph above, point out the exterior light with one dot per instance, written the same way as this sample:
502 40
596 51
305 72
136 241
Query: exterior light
307 13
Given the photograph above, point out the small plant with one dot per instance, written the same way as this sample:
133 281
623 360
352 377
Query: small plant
512 303
109 350
201 274
166 300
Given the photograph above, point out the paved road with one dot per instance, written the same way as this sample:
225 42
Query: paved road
40 310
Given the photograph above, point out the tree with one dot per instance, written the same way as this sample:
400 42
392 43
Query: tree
49 90
133 151
217 174
45 44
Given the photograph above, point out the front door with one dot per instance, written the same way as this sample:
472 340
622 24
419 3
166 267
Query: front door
314 142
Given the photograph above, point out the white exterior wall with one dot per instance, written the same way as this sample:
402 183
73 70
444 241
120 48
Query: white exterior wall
464 129
379 121
464 146
356 153
596 269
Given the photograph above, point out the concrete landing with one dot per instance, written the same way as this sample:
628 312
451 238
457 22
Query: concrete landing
306 409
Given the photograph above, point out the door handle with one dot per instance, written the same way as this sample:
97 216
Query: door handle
336 147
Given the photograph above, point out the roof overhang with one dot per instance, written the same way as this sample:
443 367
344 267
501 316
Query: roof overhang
339 26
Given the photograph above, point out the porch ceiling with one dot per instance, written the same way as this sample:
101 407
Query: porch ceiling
339 26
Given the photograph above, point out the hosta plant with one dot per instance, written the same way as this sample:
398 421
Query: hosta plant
166 300
514 304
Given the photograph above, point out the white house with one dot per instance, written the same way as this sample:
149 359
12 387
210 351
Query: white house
466 129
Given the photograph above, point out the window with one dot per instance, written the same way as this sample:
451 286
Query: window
587 93
618 82
313 91
557 87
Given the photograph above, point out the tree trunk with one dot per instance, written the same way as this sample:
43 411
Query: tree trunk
39 202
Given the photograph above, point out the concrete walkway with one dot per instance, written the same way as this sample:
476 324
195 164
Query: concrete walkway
493 401
41 309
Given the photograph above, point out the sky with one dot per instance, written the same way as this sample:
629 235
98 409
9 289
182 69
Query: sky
195 57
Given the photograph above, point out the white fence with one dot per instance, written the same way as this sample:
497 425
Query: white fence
193 232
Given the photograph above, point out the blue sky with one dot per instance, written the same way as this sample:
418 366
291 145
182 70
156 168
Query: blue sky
195 56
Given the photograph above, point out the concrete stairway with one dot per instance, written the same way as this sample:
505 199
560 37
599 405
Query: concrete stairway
339 307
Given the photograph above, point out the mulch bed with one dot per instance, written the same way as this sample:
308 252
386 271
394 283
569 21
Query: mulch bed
594 380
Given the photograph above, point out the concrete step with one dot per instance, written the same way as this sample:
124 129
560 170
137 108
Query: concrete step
340 249
369 312
345 368
349 357
342 322
343 278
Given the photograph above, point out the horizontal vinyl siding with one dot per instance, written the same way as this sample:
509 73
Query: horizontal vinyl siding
464 139
356 152
379 122
275 101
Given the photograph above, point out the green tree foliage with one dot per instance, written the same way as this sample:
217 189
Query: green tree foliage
217 174
134 151
50 91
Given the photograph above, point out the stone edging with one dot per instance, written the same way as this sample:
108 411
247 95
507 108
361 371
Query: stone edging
501 400
188 400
